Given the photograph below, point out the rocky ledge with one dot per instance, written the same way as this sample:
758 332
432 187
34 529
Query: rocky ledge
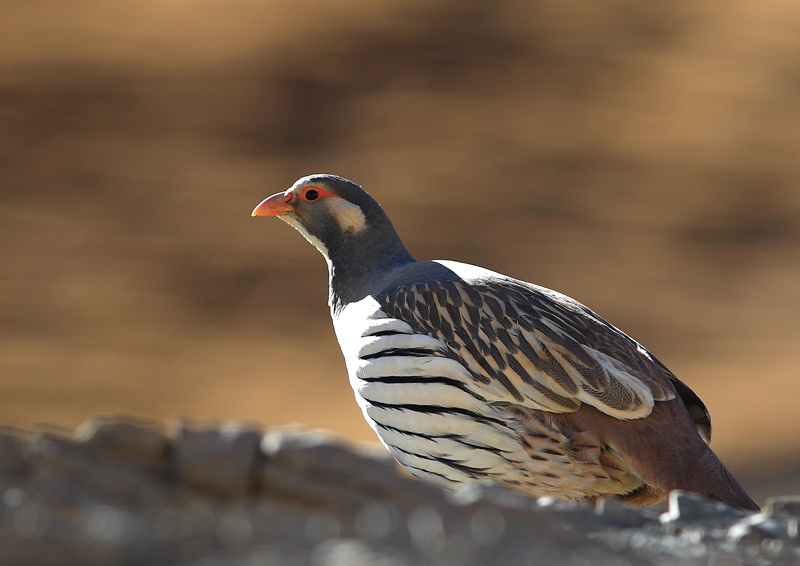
121 490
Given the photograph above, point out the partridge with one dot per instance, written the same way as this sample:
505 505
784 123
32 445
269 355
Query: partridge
469 375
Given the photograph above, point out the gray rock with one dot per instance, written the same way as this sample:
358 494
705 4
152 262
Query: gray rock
614 512
64 472
12 459
298 460
125 438
221 458
321 473
687 508
785 505
112 494
756 527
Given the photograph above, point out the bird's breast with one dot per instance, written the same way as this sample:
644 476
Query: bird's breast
389 363
422 404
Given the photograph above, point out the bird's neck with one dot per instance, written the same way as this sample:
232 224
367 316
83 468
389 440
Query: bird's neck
360 264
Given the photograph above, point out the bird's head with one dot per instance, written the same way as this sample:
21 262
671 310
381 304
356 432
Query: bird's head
344 223
326 209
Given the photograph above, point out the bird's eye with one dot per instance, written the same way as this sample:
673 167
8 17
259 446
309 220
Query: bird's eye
311 194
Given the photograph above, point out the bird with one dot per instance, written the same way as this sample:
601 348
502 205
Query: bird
467 375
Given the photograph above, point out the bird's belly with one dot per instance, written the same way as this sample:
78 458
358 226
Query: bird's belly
433 425
443 432
438 423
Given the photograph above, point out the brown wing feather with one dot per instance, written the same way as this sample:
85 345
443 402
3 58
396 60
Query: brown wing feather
531 346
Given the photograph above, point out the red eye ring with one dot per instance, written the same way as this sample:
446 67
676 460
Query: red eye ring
312 193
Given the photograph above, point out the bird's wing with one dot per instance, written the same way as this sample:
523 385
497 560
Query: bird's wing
527 345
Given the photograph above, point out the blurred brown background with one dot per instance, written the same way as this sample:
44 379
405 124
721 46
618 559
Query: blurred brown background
640 157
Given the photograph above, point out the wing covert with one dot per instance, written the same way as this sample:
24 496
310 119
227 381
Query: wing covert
526 345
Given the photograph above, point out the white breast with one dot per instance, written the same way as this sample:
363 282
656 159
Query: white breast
421 404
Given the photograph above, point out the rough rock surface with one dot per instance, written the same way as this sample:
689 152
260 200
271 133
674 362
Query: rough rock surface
120 490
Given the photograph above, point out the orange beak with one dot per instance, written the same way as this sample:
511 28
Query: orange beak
273 206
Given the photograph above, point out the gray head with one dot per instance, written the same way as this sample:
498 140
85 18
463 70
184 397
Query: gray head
346 225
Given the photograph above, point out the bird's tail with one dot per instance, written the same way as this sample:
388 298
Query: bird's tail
679 459
710 478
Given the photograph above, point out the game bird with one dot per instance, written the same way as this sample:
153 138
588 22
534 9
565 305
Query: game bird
469 375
